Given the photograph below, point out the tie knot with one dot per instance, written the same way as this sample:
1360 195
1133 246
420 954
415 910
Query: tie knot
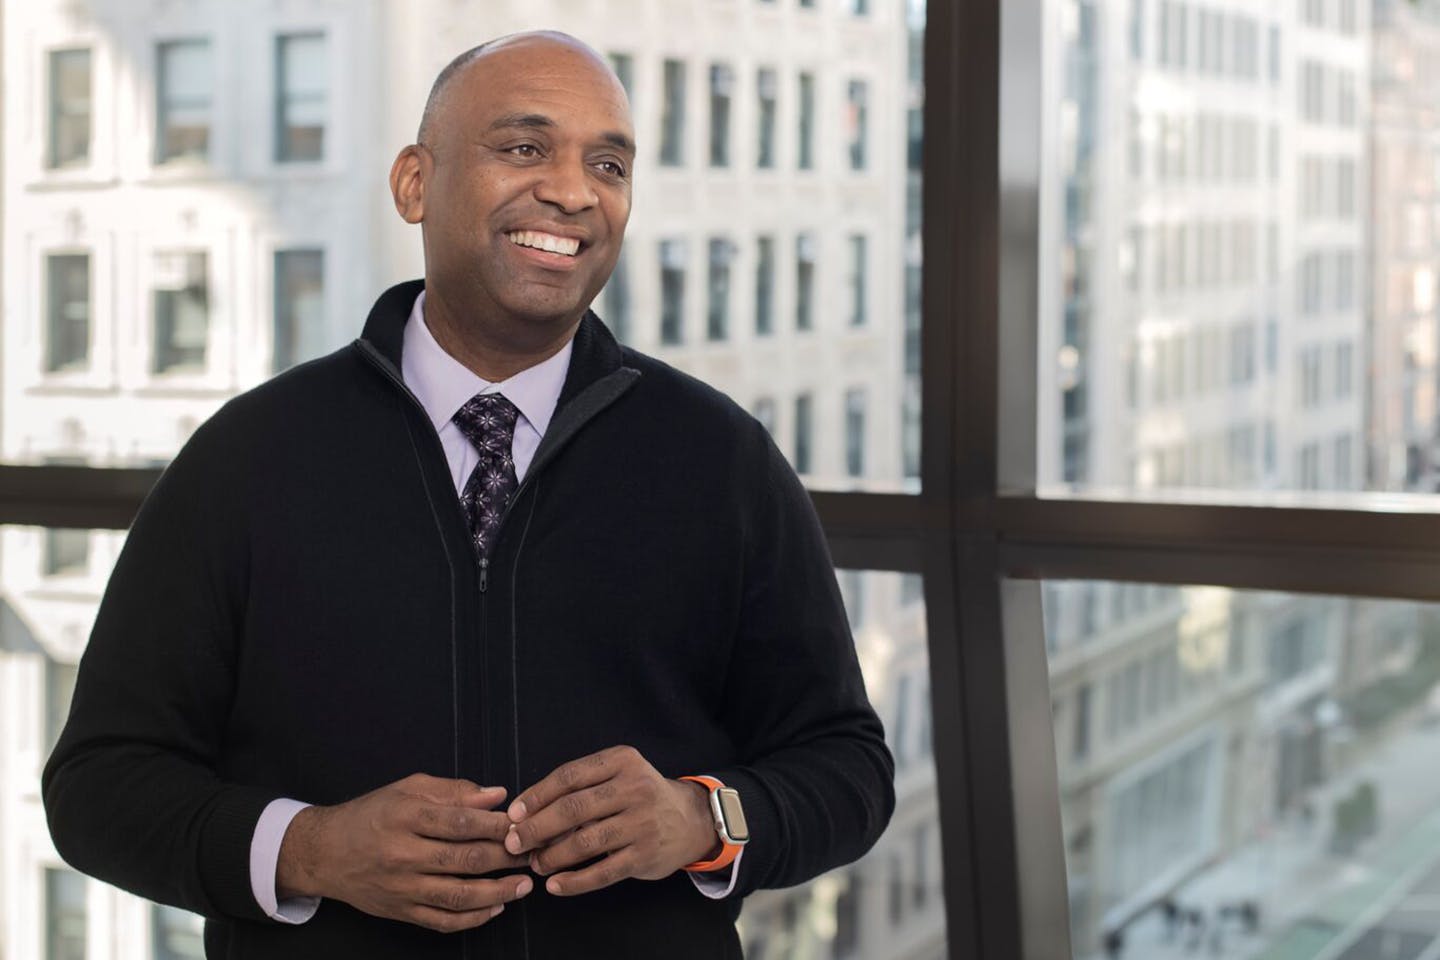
488 421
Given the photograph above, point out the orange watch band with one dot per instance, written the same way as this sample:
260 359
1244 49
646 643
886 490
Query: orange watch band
728 851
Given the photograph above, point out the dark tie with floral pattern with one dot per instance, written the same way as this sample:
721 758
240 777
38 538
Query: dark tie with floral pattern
488 421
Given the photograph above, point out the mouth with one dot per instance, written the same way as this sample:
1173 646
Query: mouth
546 242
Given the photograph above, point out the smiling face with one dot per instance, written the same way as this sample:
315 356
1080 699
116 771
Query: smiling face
522 188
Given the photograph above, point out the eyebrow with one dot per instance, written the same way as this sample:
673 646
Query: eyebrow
538 121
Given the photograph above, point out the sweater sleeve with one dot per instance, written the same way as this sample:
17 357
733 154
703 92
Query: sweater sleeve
816 778
133 791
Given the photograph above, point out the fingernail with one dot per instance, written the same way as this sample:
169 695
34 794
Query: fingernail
553 885
512 841
497 911
523 887
517 811
534 863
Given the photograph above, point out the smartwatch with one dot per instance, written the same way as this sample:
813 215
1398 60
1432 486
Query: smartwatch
729 824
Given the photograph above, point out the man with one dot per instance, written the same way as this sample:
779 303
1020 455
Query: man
482 545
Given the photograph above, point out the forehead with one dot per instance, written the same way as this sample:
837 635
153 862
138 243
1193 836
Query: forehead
565 84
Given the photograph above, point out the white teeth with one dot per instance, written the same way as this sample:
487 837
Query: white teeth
545 241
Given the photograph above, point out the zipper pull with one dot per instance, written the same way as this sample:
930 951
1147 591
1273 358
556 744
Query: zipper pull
484 573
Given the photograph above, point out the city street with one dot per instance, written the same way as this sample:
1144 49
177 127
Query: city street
1383 903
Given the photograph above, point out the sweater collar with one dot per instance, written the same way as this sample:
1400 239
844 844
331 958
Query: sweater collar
594 354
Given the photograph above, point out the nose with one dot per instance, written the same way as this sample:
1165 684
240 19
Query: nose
566 184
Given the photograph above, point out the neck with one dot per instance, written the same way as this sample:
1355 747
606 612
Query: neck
494 352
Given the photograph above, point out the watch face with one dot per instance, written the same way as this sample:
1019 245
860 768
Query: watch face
734 815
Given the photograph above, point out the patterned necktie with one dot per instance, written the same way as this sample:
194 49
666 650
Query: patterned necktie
488 422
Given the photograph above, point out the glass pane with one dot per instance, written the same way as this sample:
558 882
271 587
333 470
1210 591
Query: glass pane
299 306
1242 217
67 312
176 934
65 915
890 903
301 97
182 312
69 107
1245 774
185 78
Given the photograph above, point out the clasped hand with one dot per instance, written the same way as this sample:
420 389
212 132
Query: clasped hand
413 850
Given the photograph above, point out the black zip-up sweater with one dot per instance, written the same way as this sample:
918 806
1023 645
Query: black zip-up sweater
298 612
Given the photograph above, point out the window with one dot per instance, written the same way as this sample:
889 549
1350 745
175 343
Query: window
1344 280
1343 457
766 87
672 120
1080 744
176 934
1137 30
858 119
300 97
855 432
617 299
65 915
1310 377
806 137
717 319
67 312
764 411
847 910
182 312
1344 370
672 291
59 691
765 285
67 552
624 66
722 82
299 306
70 106
805 281
184 84
858 268
803 428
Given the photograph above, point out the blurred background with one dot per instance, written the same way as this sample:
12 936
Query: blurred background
1237 301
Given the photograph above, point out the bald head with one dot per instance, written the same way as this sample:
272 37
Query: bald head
513 43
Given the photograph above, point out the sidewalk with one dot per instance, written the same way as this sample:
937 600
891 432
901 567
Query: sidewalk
1310 900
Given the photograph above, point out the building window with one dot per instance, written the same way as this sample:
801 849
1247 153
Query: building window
184 85
69 139
717 316
672 121
64 915
299 306
300 95
764 411
1310 467
182 311
766 88
858 258
67 552
722 83
1310 377
672 291
59 691
847 917
855 432
1080 746
806 139
617 300
765 286
1343 457
858 123
805 281
176 934
624 66
804 412
1344 370
67 312
860 8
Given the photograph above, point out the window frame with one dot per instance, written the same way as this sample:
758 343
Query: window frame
980 529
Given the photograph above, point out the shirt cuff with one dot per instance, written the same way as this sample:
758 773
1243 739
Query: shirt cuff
717 884
265 859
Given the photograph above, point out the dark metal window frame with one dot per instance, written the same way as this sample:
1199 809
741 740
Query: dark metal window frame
979 530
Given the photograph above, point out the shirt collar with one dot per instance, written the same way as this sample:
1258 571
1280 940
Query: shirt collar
443 384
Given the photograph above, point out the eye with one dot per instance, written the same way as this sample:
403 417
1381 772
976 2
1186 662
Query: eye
612 168
524 150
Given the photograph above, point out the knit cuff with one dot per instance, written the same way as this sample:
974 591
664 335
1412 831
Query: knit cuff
224 858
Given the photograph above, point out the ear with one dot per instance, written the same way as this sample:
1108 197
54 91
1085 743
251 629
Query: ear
407 181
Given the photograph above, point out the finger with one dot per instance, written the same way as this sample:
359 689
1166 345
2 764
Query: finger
444 921
586 843
610 870
565 814
468 859
454 895
440 822
453 792
569 777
